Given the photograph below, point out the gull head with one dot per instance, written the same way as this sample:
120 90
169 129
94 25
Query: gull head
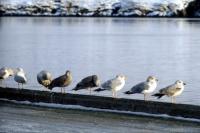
19 69
68 73
180 83
121 77
152 79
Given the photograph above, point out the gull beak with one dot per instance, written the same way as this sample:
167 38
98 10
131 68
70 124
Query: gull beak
184 83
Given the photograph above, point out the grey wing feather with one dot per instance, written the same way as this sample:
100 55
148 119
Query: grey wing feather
140 87
83 83
169 90
110 84
86 80
59 81
107 84
20 79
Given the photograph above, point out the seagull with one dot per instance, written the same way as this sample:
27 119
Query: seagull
5 73
20 77
144 87
62 81
44 78
113 85
171 90
88 83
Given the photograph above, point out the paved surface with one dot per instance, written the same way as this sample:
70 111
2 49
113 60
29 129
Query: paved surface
22 118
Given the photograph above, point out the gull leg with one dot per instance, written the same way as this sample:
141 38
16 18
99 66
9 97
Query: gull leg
22 85
144 97
2 84
90 90
18 85
5 84
113 94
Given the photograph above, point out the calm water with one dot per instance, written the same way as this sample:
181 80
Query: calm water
166 48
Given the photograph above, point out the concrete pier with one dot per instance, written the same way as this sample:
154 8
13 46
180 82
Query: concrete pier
100 102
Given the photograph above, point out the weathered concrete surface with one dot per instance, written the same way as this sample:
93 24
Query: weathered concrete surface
152 107
18 118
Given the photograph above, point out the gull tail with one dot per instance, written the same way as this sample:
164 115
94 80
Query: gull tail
77 88
128 92
158 95
99 89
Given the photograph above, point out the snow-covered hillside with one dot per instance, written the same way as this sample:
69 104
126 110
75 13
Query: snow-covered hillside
94 7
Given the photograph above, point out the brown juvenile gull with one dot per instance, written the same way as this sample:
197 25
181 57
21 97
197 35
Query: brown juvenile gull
44 78
88 83
145 87
113 85
62 81
171 90
20 77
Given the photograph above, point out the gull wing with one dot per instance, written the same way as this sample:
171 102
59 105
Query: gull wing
139 88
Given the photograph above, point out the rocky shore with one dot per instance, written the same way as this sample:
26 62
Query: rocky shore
100 8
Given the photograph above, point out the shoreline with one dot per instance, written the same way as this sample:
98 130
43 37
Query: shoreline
164 17
187 9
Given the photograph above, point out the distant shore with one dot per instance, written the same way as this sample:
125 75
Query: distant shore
68 9
47 16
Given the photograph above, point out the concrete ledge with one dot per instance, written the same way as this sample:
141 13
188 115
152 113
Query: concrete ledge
152 107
